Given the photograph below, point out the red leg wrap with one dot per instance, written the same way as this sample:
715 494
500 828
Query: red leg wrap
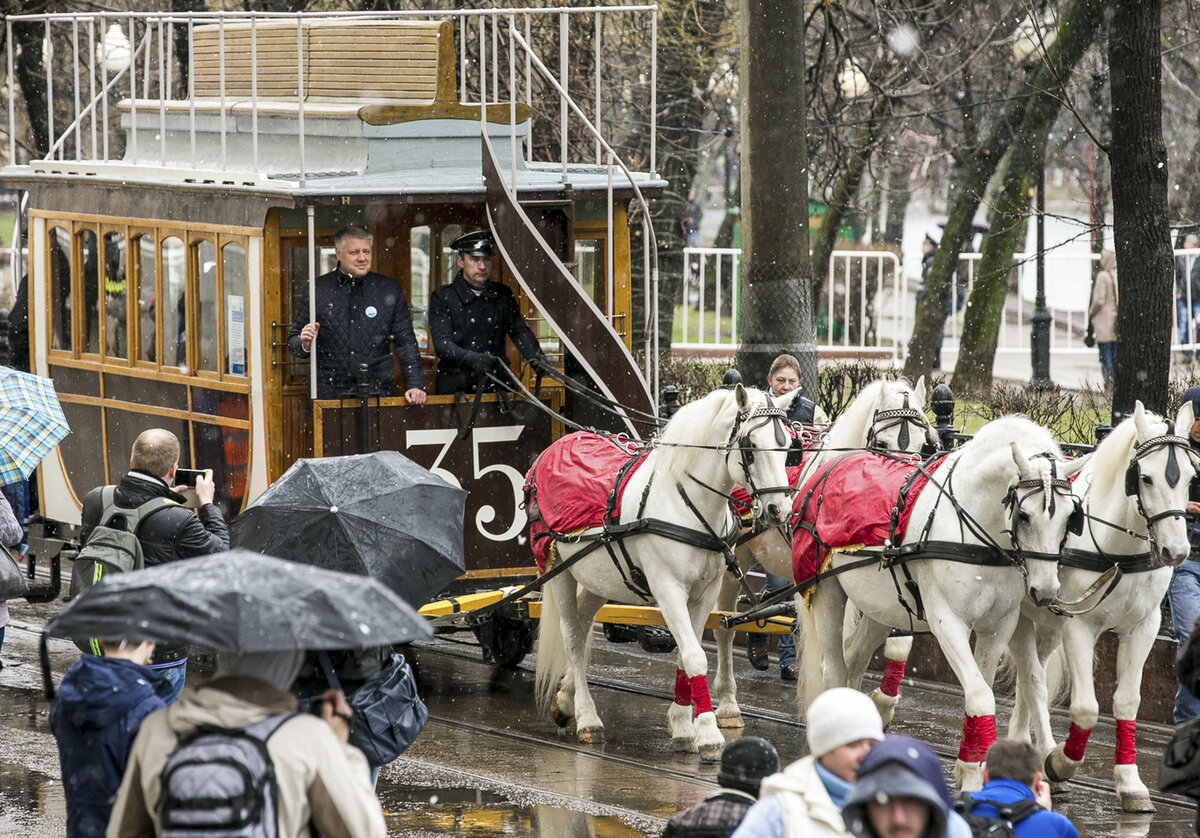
978 734
1076 743
1126 750
700 699
683 689
893 671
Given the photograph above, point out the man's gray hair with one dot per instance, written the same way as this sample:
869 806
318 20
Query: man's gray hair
1191 240
352 231
154 452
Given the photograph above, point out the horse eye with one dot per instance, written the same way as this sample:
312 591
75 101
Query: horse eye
1023 517
1147 480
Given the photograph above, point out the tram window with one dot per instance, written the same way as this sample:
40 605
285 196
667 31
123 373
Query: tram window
233 283
172 319
60 288
419 279
116 332
207 317
297 274
589 269
147 296
89 258
449 257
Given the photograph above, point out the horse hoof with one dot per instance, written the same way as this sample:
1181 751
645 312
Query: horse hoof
682 745
1059 767
591 736
733 720
886 705
1136 801
711 753
968 776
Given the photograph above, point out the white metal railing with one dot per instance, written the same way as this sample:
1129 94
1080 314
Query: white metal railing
707 312
132 56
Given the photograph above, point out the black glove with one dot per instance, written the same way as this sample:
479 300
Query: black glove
482 362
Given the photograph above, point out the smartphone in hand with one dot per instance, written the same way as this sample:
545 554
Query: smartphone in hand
187 476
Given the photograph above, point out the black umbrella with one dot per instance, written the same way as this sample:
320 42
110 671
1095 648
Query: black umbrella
379 515
239 601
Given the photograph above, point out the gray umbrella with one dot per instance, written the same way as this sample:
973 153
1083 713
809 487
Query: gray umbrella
240 601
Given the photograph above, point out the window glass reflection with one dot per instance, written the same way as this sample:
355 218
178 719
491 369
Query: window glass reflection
116 329
147 297
60 289
173 313
233 282
90 260
207 313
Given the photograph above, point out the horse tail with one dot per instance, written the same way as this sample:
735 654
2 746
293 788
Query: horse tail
811 682
552 660
1058 677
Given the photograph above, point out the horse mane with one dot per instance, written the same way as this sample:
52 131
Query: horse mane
850 429
1031 438
1111 457
684 439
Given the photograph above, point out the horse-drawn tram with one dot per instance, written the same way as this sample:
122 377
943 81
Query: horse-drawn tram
200 166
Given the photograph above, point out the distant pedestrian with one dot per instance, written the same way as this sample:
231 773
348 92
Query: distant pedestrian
322 784
1103 313
95 716
1187 294
744 763
806 797
900 792
11 534
1012 777
1184 591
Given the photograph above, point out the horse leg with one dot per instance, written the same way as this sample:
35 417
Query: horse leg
724 685
686 618
1132 651
979 721
577 610
1030 689
895 654
860 645
1079 643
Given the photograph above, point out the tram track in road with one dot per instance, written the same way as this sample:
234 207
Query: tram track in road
1082 790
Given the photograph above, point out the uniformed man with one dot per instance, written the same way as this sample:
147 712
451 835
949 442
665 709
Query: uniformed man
360 311
469 318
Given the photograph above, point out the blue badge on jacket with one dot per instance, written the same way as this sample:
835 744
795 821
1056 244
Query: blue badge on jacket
371 311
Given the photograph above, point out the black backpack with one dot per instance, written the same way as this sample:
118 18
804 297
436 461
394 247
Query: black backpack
112 547
221 783
986 826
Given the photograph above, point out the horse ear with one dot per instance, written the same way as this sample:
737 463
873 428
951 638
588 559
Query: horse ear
743 398
820 417
1071 467
1184 418
1140 421
1024 469
919 391
784 402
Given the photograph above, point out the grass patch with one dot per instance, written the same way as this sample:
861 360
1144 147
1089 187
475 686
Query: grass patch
7 219
708 325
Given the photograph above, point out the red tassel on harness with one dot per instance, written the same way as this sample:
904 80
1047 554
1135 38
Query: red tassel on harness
1076 744
1126 750
683 689
700 699
978 734
893 672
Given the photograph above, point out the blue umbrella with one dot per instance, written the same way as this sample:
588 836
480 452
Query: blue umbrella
31 423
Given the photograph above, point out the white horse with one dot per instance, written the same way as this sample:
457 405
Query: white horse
708 447
885 415
1134 490
1001 499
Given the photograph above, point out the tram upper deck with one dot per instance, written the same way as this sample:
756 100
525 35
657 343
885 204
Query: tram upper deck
186 202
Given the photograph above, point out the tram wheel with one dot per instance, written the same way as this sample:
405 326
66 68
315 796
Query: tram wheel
505 640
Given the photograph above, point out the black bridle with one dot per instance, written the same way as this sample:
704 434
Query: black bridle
885 420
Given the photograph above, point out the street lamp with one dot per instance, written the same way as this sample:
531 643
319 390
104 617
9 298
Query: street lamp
1039 341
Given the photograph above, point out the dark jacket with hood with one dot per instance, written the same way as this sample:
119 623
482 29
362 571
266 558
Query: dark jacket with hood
357 317
95 716
899 766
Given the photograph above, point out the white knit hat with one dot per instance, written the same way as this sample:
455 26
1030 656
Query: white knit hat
840 716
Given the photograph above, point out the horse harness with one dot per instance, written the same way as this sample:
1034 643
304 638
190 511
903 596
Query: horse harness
900 416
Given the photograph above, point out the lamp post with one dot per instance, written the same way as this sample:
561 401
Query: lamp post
1039 342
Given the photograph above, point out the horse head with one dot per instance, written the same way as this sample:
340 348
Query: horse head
898 421
760 440
1160 471
1042 510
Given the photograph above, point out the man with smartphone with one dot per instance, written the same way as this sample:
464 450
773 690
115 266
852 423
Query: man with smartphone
167 533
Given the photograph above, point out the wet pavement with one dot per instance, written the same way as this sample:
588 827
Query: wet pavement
489 764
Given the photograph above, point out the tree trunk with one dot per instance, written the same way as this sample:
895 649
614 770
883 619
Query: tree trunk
898 195
776 273
1141 233
1009 215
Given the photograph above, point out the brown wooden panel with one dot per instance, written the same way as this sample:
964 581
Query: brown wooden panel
490 463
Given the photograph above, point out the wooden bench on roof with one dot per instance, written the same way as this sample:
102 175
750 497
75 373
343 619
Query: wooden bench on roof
385 72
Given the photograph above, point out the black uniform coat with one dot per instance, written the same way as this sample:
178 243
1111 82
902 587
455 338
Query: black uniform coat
357 316
463 324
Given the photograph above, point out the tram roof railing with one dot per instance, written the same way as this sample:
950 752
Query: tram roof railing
132 57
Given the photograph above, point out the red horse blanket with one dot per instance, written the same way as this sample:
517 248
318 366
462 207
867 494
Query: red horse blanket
569 485
849 501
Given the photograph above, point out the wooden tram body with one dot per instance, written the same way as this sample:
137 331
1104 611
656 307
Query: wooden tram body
162 280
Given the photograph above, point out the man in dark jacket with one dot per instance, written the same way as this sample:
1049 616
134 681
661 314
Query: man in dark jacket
469 318
1012 778
1183 594
95 716
744 763
171 533
360 312
900 791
